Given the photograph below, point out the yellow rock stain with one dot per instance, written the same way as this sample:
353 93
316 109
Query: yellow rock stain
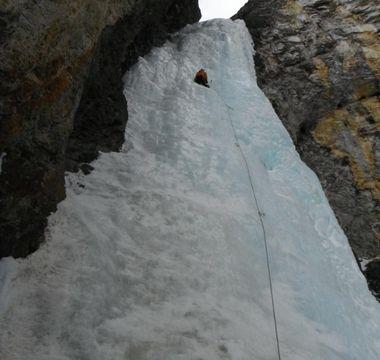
330 129
321 70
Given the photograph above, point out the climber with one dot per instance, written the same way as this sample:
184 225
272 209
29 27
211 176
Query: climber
201 78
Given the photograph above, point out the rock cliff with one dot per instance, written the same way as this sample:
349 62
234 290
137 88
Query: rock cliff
319 63
61 67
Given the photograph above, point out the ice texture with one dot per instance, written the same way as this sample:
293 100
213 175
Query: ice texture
159 253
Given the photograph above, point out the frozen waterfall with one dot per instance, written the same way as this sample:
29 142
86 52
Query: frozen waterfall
159 253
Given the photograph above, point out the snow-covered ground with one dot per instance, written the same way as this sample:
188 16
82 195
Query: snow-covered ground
159 253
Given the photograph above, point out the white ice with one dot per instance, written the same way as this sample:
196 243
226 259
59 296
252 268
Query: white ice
158 254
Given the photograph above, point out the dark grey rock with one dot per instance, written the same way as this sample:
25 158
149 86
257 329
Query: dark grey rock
100 120
372 273
61 65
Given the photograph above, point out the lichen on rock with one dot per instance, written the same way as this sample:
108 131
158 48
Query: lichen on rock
51 55
325 87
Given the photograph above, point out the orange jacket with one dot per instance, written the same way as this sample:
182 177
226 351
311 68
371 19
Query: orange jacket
202 74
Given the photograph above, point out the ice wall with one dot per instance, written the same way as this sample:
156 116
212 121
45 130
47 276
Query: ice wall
159 253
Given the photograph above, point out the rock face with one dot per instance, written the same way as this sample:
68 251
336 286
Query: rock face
61 67
319 63
372 273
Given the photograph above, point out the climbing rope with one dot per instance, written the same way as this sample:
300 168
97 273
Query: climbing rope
261 215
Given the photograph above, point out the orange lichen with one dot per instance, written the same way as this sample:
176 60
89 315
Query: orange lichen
322 70
371 49
54 89
60 79
292 7
373 106
332 128
365 90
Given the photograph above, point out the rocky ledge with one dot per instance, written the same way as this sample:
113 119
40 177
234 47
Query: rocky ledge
61 101
318 61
